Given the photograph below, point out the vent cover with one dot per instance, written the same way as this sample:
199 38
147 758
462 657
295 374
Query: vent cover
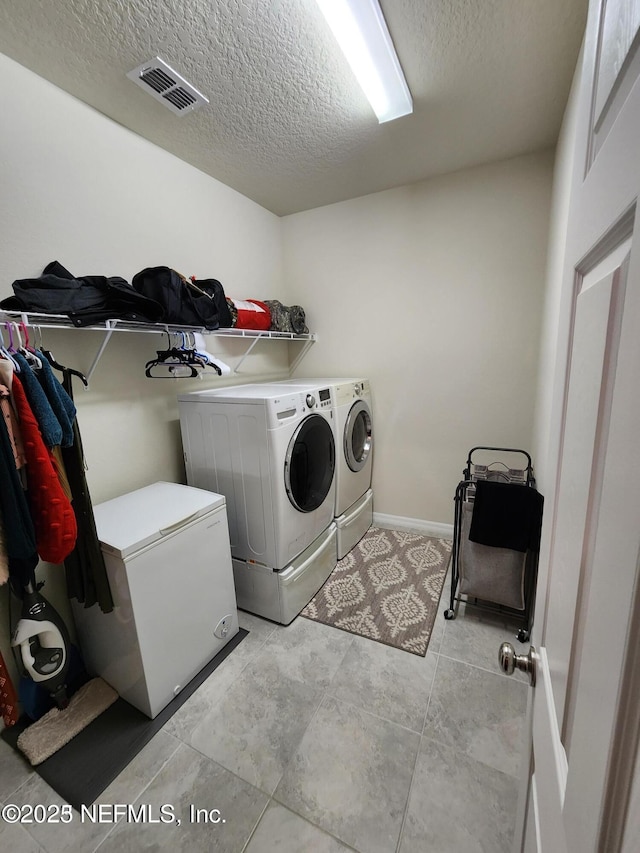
167 86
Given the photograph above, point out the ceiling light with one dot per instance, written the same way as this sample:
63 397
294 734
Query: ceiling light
361 31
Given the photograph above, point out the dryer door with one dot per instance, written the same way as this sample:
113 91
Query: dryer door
310 463
358 436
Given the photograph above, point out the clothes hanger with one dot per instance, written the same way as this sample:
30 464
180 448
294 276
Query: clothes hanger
28 352
177 362
5 355
52 361
173 364
8 351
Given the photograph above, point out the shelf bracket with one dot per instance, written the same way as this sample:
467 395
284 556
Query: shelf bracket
110 326
303 351
236 369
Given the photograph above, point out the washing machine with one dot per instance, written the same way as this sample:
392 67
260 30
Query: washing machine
350 400
270 451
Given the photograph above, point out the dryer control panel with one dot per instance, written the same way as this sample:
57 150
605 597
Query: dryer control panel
349 391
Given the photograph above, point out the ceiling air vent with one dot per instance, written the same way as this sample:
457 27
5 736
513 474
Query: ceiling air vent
167 86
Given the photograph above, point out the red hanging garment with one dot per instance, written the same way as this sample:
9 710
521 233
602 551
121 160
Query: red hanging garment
53 516
8 696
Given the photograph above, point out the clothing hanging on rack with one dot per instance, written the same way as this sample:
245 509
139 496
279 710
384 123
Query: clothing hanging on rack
13 426
53 517
85 570
49 425
20 460
4 557
19 532
8 697
60 402
50 403
38 520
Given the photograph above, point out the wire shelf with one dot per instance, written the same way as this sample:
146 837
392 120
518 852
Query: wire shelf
35 320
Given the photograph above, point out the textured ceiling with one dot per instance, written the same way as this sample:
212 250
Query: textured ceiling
287 124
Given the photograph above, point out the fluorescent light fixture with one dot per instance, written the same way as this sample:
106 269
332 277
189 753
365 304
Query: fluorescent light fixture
361 31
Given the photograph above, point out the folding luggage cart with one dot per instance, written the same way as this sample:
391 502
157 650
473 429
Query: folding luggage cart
491 576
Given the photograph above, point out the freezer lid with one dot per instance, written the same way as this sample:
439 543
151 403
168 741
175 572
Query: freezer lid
135 520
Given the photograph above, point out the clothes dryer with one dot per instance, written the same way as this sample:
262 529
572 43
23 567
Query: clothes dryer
270 450
353 430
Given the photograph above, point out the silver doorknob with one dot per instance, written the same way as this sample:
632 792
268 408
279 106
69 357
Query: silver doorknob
510 661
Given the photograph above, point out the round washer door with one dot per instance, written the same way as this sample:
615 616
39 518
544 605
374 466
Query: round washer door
358 436
310 463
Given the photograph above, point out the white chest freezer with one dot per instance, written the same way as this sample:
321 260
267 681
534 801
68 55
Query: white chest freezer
168 559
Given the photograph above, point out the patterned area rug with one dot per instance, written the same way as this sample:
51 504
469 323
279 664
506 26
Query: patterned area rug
387 589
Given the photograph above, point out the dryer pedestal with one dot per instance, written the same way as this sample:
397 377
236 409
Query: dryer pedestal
280 596
354 523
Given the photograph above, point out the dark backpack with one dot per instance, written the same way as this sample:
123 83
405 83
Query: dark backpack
184 303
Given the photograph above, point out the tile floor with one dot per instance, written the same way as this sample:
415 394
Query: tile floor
307 738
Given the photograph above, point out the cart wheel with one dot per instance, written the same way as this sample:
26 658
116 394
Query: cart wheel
523 635
449 614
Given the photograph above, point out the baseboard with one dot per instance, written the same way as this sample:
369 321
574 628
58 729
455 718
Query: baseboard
416 525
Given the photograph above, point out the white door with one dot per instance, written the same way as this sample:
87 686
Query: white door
585 707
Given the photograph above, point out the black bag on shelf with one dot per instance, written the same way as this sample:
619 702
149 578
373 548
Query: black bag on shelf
185 303
215 290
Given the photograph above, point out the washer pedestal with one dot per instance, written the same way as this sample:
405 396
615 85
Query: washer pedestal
280 596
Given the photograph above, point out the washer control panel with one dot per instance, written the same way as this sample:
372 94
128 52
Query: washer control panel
324 396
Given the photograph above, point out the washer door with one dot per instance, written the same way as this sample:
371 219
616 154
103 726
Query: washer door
310 463
358 436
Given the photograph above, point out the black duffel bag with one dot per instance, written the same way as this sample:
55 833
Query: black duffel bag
185 303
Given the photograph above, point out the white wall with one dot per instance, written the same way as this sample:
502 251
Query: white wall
433 291
555 325
81 189
78 187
